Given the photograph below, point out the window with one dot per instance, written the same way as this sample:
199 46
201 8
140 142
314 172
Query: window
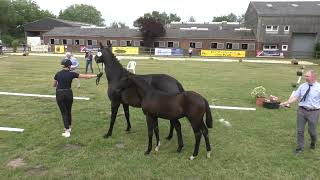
272 28
170 44
141 43
266 47
229 46
129 43
192 44
286 29
108 42
244 46
56 41
122 43
89 42
235 45
284 47
214 45
162 44
275 28
136 43
69 41
77 42
64 41
198 45
94 42
220 46
176 44
268 28
51 41
114 42
156 44
81 42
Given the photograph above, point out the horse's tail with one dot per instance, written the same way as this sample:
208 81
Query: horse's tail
208 114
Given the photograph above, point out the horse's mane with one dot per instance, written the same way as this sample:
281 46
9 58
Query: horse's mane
116 62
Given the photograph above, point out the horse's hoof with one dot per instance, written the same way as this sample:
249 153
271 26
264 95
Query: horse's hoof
128 130
169 137
179 150
191 158
147 152
208 154
106 136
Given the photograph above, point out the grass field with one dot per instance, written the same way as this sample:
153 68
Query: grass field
258 145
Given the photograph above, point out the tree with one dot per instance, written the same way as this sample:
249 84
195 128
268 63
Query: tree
191 19
118 25
229 18
163 18
82 13
150 28
14 14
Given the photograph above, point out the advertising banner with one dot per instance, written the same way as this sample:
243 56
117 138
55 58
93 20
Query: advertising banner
223 53
39 48
269 53
59 48
125 50
162 52
177 52
168 52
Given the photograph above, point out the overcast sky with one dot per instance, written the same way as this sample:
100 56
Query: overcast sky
129 10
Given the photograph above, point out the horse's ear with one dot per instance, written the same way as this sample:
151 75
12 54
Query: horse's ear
101 46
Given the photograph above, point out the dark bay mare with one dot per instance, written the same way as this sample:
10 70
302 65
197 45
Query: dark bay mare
158 104
129 96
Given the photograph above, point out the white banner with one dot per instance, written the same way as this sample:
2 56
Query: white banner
162 51
33 41
39 48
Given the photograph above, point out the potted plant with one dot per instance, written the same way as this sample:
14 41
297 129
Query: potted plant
271 103
259 93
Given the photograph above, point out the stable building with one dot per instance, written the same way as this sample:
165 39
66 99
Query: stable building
290 28
214 36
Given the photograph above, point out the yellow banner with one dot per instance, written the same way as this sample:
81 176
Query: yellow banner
59 48
223 53
125 50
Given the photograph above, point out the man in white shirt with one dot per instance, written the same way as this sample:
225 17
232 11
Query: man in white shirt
308 95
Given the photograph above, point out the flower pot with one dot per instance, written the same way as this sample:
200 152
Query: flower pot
271 105
260 101
299 73
294 84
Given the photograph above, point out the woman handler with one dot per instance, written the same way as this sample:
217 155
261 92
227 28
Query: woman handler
64 95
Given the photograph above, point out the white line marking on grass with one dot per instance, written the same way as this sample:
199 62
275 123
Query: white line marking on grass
3 57
39 95
299 79
11 129
233 108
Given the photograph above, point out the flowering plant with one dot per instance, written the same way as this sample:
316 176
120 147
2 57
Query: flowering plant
272 99
259 91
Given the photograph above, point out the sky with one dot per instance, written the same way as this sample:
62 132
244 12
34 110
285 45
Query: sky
127 11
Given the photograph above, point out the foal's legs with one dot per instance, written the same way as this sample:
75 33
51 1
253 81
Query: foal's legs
156 132
197 134
126 113
177 126
170 131
205 133
114 111
150 133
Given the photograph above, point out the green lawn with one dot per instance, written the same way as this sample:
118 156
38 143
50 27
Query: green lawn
258 145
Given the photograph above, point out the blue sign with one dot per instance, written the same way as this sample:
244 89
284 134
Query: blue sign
177 52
